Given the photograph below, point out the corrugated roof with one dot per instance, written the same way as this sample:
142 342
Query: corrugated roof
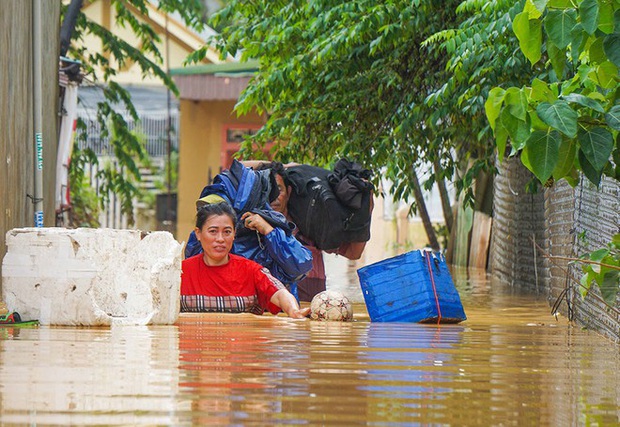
211 87
145 98
232 69
214 81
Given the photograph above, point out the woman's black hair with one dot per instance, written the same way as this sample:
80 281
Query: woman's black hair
276 168
214 209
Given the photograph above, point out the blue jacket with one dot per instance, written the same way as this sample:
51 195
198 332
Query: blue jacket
279 251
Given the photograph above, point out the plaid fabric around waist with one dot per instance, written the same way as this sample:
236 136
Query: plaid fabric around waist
224 304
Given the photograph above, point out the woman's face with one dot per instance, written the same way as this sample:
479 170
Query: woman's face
216 238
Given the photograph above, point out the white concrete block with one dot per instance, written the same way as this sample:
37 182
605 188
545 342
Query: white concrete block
92 277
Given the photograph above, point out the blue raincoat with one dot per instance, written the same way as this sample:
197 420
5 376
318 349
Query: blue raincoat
279 251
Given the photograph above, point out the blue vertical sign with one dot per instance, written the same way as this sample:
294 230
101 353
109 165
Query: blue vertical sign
38 214
39 140
38 219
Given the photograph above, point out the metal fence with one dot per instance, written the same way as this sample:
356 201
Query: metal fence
153 127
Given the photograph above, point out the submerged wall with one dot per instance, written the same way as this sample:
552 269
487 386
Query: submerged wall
518 222
581 220
565 223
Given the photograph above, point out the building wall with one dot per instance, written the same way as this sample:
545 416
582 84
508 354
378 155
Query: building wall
16 113
202 131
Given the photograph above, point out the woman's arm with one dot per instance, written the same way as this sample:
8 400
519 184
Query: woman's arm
293 259
352 250
287 302
254 164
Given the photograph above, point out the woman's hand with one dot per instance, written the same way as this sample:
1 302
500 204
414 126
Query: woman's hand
256 222
300 313
287 302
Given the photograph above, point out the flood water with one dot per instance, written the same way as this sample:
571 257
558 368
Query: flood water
511 363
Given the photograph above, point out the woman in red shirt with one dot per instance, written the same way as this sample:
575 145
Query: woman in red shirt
218 281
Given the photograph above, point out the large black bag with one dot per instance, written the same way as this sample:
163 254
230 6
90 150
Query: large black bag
331 207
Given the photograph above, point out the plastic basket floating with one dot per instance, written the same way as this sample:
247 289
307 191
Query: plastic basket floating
413 287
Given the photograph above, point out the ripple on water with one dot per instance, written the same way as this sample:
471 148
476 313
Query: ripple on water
510 363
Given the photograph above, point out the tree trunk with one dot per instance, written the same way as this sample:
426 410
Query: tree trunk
423 212
445 198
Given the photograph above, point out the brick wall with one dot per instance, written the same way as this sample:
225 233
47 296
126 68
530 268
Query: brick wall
518 218
581 220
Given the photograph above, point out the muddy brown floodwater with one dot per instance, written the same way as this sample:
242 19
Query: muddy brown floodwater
511 363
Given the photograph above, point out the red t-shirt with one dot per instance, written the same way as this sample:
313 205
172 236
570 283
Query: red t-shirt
241 285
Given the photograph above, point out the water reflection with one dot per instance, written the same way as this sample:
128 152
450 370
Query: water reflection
510 363
84 376
223 362
409 360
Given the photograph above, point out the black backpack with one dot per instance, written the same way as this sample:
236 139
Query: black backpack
331 207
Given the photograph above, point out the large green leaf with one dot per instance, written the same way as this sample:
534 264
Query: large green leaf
557 57
559 24
606 17
566 158
516 101
493 104
526 160
588 170
596 144
584 101
559 116
518 129
611 46
578 35
598 256
540 4
559 4
501 138
535 122
588 12
609 286
542 92
586 281
613 117
605 75
532 10
543 149
529 34
596 52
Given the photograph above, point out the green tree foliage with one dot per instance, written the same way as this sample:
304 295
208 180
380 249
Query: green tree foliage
346 79
567 120
603 268
126 146
482 53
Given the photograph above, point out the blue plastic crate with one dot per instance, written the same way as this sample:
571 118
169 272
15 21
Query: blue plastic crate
412 287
